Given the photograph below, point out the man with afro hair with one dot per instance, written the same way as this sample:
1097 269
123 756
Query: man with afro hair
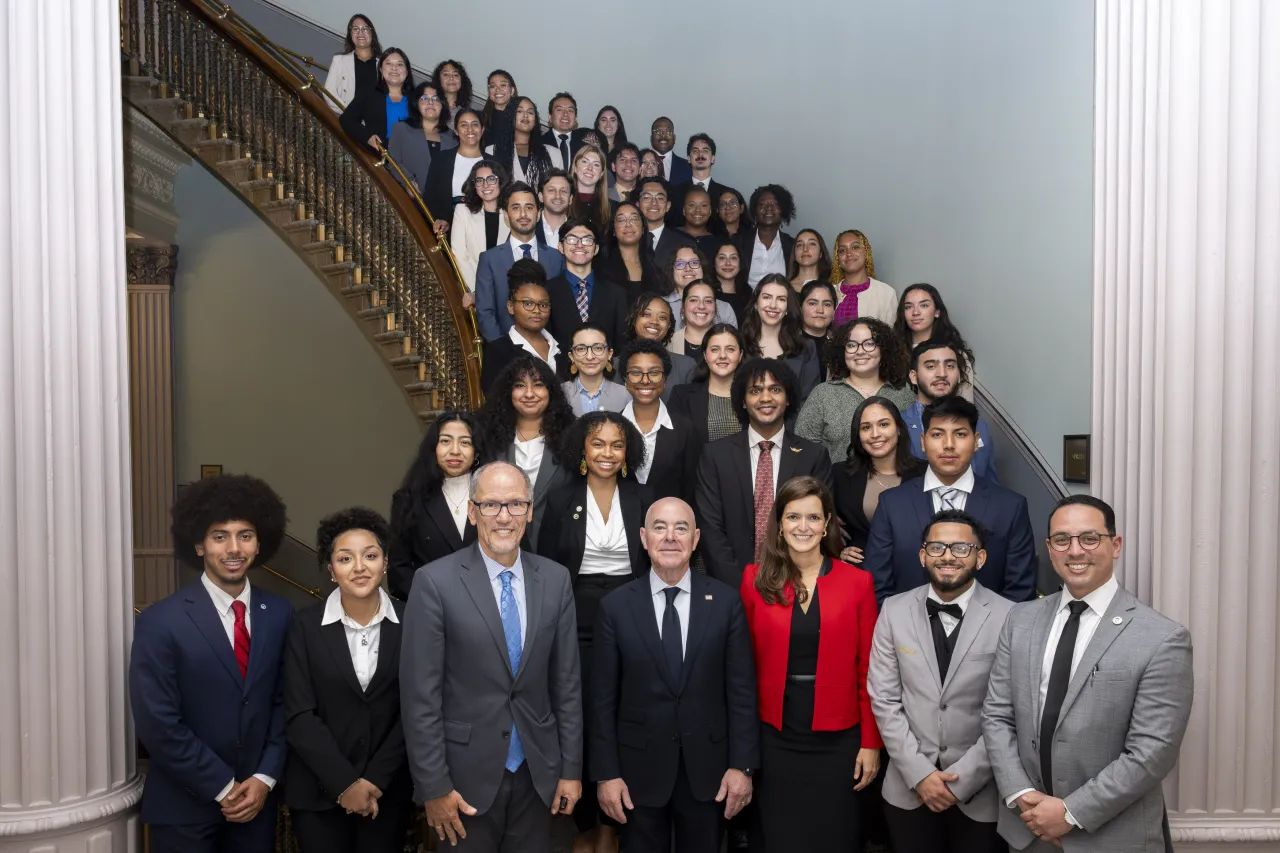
205 677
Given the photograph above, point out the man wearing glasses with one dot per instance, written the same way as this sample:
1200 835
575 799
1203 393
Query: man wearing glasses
930 661
490 681
950 441
1089 698
580 294
662 138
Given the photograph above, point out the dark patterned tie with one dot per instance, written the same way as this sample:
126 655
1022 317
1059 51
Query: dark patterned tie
1059 679
764 493
584 306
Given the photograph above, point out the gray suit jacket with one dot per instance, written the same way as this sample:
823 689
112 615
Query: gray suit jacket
458 696
613 398
925 721
1118 733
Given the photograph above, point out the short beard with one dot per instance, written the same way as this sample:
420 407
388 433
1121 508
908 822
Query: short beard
924 389
952 585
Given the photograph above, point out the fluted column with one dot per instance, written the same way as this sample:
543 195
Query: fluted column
1186 421
68 780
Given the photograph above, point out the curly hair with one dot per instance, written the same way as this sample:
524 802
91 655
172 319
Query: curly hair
645 346
489 108
777 570
942 329
858 461
498 416
345 520
824 257
424 475
227 497
642 302
893 359
470 196
790 334
786 201
576 437
754 371
464 91
837 271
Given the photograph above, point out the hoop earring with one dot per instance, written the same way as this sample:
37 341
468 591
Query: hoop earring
582 467
824 533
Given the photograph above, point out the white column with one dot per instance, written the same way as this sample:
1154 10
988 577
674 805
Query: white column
68 780
1186 421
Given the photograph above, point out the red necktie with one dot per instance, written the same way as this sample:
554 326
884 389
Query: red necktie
764 492
241 642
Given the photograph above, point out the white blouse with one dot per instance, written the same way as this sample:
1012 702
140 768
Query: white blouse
462 171
362 640
457 490
606 549
529 456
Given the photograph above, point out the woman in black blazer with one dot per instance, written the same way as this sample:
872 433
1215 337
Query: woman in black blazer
879 459
438 190
346 781
592 528
706 399
429 510
369 117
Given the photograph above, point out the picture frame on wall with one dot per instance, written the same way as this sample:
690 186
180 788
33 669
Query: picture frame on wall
1075 458
207 471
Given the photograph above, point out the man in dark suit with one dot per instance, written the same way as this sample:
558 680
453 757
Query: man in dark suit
655 203
766 248
564 134
579 295
205 678
671 444
674 720
490 681
662 138
739 476
521 206
624 163
893 545
702 156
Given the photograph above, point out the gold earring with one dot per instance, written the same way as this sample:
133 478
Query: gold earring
624 469
573 369
582 467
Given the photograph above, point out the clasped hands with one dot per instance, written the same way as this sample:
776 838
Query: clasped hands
1045 816
361 797
245 799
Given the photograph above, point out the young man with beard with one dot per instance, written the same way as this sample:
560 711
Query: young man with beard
205 677
554 194
662 138
931 659
624 162
935 373
521 206
950 440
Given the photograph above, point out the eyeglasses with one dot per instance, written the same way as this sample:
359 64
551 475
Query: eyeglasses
581 350
693 264
530 305
1088 541
487 179
958 549
627 220
575 240
489 509
866 346
664 133
653 197
654 374
428 99
729 205
358 31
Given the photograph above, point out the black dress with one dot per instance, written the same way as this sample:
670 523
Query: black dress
806 800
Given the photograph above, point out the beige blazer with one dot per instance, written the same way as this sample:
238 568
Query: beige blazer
879 301
341 80
466 238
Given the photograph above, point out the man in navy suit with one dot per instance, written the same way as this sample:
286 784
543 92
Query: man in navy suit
205 677
893 546
521 205
662 138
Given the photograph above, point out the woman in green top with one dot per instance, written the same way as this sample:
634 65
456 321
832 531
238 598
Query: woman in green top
864 359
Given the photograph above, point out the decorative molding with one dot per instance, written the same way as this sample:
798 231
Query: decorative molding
146 264
1224 830
150 183
61 817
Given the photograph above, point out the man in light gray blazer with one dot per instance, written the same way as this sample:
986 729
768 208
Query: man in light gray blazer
490 683
1089 699
930 661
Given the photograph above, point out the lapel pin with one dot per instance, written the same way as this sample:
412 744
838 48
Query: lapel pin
708 598
262 606
1117 620
795 450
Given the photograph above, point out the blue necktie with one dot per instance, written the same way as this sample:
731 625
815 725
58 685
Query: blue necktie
511 628
527 249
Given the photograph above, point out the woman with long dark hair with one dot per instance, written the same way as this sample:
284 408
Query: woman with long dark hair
707 399
524 155
355 70
772 330
523 418
449 170
879 458
477 223
809 261
630 260
923 316
817 308
372 114
498 117
454 85
811 619
421 136
429 510
609 124
732 214
731 286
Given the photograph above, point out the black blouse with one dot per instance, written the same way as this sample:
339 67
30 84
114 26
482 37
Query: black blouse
491 221
366 74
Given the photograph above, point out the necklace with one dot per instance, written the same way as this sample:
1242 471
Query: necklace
520 435
456 508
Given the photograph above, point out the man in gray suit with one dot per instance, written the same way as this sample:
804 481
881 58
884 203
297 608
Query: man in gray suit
930 661
489 681
1089 699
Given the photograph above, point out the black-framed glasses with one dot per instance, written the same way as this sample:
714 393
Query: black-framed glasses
729 205
957 549
581 350
530 305
490 509
653 197
488 179
690 264
356 31
1088 541
575 240
866 346
653 374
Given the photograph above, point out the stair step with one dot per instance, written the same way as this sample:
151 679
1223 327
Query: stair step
340 267
300 231
260 190
429 416
356 290
416 388
373 313
318 247
406 360
236 171
140 88
390 337
220 144
190 130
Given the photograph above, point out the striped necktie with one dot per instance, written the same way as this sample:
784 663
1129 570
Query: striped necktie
947 497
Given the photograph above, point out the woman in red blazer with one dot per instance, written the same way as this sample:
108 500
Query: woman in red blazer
811 618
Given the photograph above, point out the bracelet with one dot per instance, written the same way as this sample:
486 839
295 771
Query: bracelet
344 791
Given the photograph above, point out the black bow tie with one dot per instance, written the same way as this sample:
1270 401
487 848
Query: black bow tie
934 608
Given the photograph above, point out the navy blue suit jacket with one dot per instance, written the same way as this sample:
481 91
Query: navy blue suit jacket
491 285
892 555
201 722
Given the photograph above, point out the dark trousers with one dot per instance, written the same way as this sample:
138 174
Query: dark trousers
517 822
335 831
952 831
698 826
256 836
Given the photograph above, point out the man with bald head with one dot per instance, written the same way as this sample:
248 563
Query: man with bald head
490 685
674 728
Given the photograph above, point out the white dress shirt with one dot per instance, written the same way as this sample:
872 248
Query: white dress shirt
705 183
457 491
667 160
517 253
222 604
656 587
753 441
552 234
765 260
362 640
1098 600
495 570
462 171
656 234
529 456
963 487
949 622
650 437
606 547
553 348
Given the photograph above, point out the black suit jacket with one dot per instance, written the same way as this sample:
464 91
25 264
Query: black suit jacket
608 310
552 137
691 401
501 352
681 171
668 244
367 115
563 536
848 493
337 732
437 189
746 241
675 460
646 729
715 189
726 498
432 535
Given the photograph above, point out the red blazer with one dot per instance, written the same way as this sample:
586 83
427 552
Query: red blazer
847 618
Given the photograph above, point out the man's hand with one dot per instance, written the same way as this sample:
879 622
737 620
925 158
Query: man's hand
361 798
1047 818
735 792
865 768
468 300
613 796
569 790
934 793
442 816
245 800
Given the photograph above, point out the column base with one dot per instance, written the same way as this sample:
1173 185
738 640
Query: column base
103 824
1258 833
